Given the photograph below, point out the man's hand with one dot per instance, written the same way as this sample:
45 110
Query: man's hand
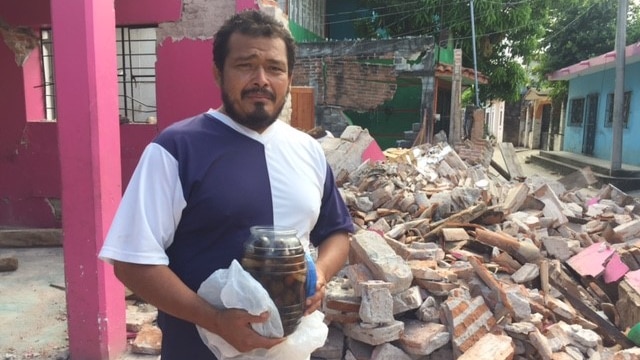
234 325
332 255
314 302
151 282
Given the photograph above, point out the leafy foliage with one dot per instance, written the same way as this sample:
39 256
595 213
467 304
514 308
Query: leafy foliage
579 30
507 33
510 34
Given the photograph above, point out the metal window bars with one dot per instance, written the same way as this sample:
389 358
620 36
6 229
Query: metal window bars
136 57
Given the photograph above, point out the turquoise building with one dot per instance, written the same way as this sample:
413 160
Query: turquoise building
589 110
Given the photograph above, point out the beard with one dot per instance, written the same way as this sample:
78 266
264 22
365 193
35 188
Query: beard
257 120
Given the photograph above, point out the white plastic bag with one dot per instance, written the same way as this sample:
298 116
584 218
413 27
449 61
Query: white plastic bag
236 288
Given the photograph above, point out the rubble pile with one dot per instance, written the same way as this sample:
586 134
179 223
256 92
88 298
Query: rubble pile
449 262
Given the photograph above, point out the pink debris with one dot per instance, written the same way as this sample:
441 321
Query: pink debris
590 261
615 269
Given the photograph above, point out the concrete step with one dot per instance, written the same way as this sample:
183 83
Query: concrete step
410 135
597 165
624 180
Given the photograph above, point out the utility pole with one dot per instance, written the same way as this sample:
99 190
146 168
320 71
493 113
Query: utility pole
475 61
455 119
618 95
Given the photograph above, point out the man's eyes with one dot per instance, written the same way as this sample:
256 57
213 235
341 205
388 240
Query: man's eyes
269 68
276 69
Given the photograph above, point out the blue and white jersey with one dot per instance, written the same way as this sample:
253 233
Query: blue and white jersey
199 187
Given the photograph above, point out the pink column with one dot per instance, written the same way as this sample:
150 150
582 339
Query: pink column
89 143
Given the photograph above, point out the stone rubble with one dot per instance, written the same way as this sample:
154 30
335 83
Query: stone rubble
484 268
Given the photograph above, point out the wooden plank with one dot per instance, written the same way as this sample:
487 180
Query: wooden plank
302 107
30 237
459 218
511 160
522 251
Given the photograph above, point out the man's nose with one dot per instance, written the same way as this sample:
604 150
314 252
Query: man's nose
260 77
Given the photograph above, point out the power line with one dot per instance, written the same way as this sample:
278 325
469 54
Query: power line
373 9
430 30
461 20
530 23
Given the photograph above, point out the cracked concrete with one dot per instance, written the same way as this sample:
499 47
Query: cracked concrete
200 19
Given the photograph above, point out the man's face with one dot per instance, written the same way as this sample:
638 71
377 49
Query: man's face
255 81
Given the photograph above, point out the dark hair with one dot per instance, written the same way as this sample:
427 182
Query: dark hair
256 24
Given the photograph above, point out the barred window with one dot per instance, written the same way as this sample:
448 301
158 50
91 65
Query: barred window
626 104
576 112
136 49
49 93
136 54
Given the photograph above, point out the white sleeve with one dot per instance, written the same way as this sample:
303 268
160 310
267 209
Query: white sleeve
147 217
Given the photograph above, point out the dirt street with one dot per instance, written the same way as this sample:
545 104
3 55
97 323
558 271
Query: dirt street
33 306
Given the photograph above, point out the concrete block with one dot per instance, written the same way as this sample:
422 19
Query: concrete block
384 263
375 336
358 350
467 320
421 338
491 347
357 274
138 317
558 247
389 352
377 304
148 341
526 273
541 344
409 299
429 311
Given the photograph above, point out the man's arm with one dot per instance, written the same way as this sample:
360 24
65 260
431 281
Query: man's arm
332 255
160 286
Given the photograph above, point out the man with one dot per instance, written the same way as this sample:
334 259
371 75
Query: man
204 181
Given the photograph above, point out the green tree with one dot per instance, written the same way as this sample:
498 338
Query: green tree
579 30
507 33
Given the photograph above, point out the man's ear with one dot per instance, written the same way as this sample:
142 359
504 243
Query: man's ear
217 75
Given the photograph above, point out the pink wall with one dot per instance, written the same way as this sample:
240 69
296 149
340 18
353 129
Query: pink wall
29 150
12 103
34 101
245 4
147 11
188 66
34 13
34 178
133 139
38 12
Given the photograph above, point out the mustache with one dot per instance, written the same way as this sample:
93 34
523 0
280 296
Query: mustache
259 91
